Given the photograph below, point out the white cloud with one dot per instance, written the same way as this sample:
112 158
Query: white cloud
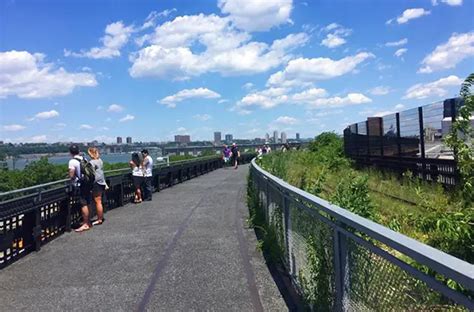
27 76
399 106
265 99
248 86
448 2
380 90
397 43
336 36
37 139
128 117
116 36
222 101
349 99
115 108
302 70
286 120
45 115
435 88
309 95
408 15
449 54
13 128
186 94
172 53
257 15
85 127
151 19
202 117
400 52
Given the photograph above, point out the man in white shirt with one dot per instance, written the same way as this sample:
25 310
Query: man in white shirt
148 167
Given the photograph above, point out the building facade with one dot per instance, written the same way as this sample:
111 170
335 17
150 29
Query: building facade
229 138
284 138
275 136
119 140
182 138
129 140
297 136
217 138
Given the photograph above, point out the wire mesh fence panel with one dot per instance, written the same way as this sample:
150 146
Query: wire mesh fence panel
433 120
376 284
312 257
390 133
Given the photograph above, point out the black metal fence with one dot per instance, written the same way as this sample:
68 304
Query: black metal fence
408 140
30 221
340 261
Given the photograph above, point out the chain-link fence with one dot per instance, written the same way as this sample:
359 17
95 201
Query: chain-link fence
343 262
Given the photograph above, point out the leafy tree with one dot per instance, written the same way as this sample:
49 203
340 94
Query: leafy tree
460 139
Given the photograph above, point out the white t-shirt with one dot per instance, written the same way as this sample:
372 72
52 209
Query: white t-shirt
137 172
149 166
74 163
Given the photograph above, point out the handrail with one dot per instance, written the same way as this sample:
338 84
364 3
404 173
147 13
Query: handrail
442 262
40 186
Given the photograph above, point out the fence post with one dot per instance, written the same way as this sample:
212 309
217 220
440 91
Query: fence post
367 133
340 269
69 197
381 135
422 142
357 139
37 227
399 146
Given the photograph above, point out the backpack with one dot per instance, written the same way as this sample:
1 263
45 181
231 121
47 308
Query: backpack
87 171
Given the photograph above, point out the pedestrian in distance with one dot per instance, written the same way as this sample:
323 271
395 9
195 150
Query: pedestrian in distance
138 175
79 171
235 155
148 168
99 186
226 154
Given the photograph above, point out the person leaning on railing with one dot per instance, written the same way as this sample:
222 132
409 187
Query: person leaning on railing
99 184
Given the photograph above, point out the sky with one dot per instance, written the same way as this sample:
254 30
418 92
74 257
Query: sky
150 69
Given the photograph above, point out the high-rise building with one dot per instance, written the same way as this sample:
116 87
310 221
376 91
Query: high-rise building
129 140
267 137
297 136
217 138
275 136
229 138
283 137
119 140
182 138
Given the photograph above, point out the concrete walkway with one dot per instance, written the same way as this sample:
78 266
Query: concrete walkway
187 250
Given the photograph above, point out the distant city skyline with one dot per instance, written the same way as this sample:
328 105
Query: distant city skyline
166 68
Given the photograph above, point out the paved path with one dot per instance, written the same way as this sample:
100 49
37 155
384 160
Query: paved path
188 249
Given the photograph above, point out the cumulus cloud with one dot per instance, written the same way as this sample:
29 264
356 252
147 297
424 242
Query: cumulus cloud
85 127
171 51
435 88
13 128
286 120
380 90
202 117
186 94
449 54
302 70
309 95
116 36
397 43
45 115
408 15
349 99
399 106
37 139
257 15
335 36
115 108
448 2
265 99
400 52
128 117
27 76
151 19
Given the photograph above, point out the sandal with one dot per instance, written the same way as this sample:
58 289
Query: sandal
82 228
98 222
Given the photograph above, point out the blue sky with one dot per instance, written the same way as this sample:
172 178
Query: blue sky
85 70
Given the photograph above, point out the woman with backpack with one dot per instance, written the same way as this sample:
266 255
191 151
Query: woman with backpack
99 186
138 175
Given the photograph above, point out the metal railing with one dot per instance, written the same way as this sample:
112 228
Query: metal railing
45 211
343 262
408 140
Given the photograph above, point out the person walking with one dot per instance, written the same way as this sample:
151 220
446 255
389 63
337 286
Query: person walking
235 155
138 175
148 167
80 186
99 186
226 154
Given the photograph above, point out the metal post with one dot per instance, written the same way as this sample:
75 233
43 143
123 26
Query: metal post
69 197
368 141
37 228
381 135
120 195
340 269
158 183
422 142
357 139
399 147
